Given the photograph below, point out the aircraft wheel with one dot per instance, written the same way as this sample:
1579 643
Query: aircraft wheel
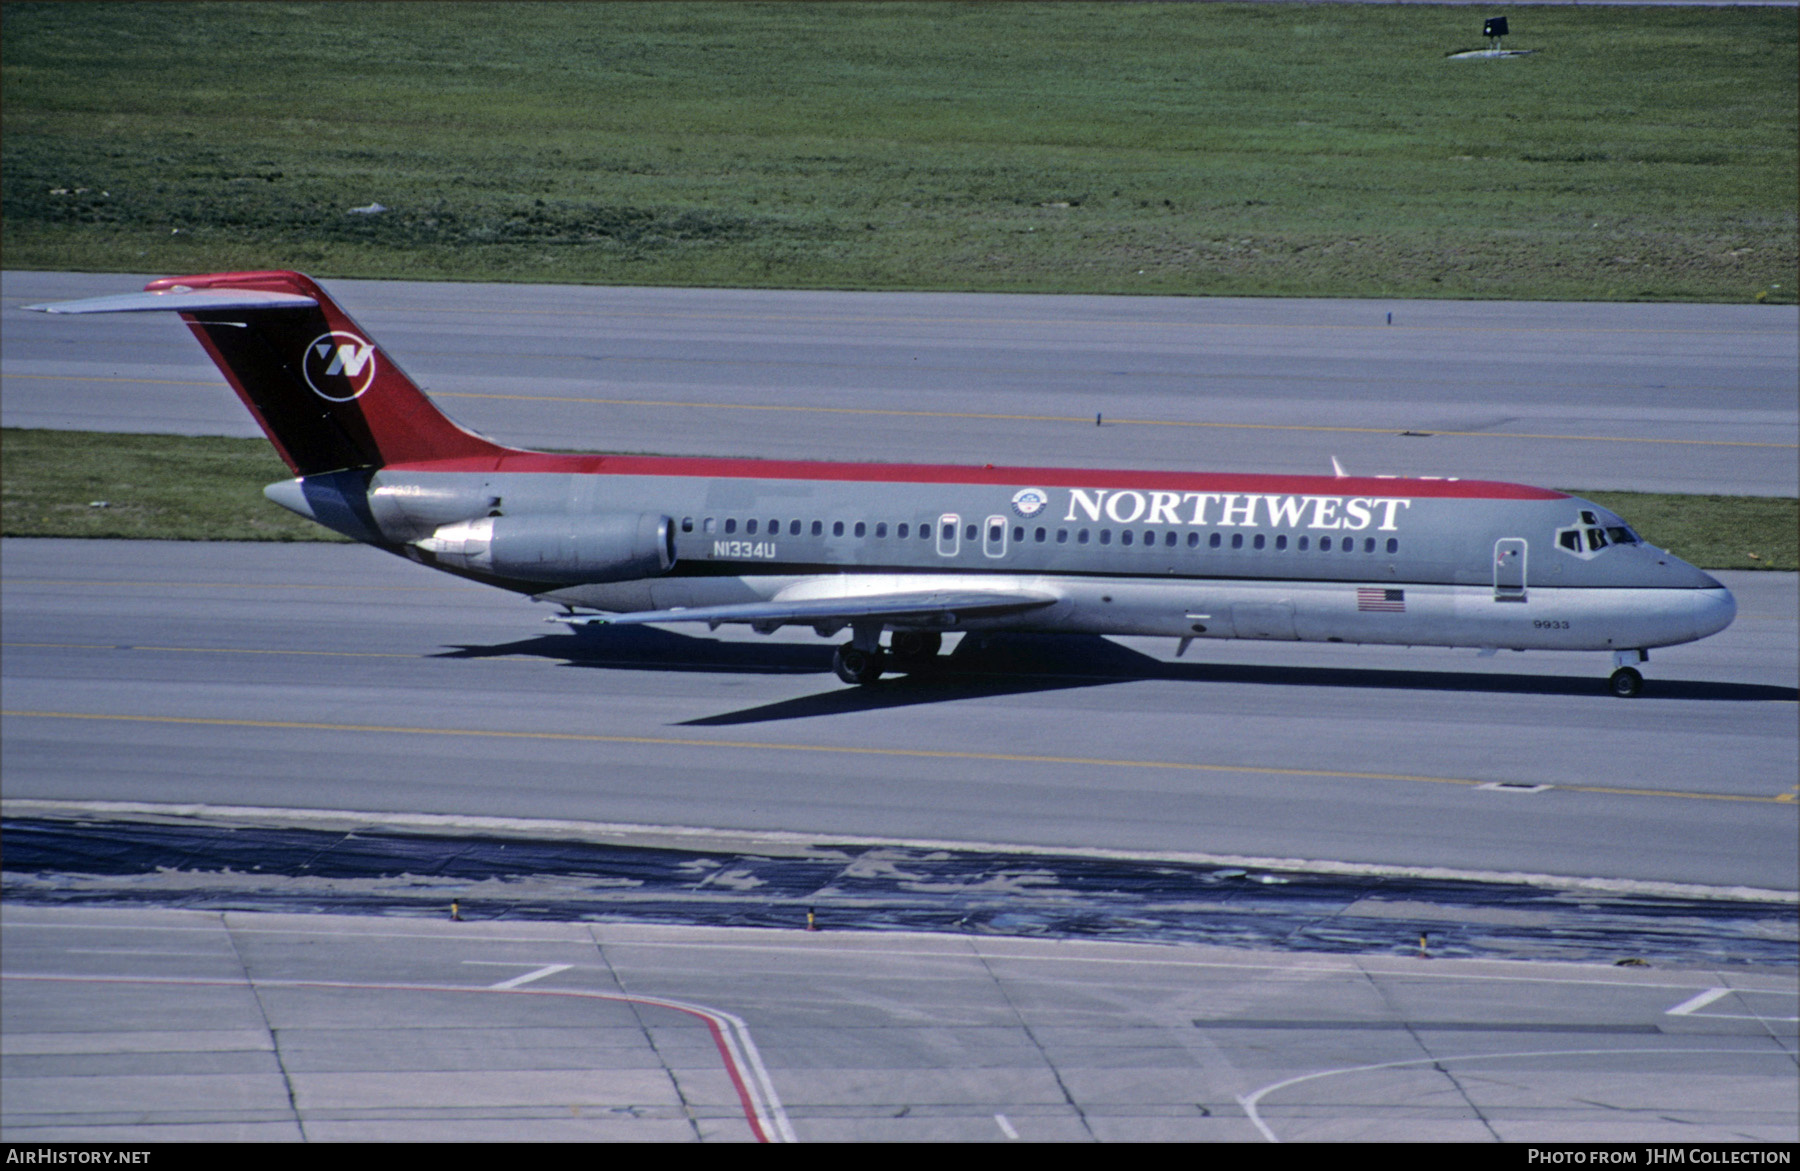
1626 682
915 648
856 666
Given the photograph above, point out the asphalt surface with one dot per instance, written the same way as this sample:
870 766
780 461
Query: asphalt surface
337 677
1680 398
249 863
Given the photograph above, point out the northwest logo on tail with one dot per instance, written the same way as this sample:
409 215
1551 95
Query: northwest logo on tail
339 362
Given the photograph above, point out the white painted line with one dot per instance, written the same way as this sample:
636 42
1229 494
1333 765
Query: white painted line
664 936
135 951
1693 1003
1006 1128
1511 787
1251 1101
528 977
733 1035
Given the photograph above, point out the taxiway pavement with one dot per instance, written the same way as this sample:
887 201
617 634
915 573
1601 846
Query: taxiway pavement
337 677
1642 397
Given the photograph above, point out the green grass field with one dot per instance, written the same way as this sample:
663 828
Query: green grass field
1184 148
210 489
160 487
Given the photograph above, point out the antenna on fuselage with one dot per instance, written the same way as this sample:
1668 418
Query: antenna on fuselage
1337 468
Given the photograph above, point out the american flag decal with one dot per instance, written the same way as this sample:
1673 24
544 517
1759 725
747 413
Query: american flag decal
1381 601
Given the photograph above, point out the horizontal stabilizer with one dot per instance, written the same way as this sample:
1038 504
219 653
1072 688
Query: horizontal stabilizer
327 396
181 301
939 608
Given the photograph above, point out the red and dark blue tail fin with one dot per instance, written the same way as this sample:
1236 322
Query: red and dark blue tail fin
326 395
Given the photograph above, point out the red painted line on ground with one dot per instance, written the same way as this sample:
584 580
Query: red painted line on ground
751 1114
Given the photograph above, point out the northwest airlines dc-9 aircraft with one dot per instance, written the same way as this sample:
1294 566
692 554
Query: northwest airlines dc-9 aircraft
910 552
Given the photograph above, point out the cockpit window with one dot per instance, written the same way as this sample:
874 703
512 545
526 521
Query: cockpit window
1593 535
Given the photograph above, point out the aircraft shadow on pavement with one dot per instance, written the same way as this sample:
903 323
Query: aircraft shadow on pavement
1017 664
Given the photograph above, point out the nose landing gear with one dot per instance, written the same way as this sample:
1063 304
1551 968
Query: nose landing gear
1626 682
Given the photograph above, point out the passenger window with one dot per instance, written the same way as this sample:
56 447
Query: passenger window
1062 536
774 528
837 528
1169 538
793 528
1040 535
1369 545
861 528
881 529
1258 542
1214 541
1081 538
1124 537
901 531
1281 541
1393 545
1106 536
711 525
818 528
1324 544
969 532
1237 540
687 524
1349 544
1019 533
1303 542
1193 540
731 524
750 526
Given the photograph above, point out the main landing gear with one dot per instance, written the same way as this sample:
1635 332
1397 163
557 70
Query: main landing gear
1626 682
854 665
862 660
914 648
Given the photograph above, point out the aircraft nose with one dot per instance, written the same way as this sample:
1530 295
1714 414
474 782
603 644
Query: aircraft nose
1714 609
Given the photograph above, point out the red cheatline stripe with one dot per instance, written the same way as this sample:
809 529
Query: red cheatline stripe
760 469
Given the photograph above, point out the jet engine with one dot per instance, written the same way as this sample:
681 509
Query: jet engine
599 547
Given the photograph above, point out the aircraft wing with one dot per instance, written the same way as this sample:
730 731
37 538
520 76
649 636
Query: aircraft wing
933 608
